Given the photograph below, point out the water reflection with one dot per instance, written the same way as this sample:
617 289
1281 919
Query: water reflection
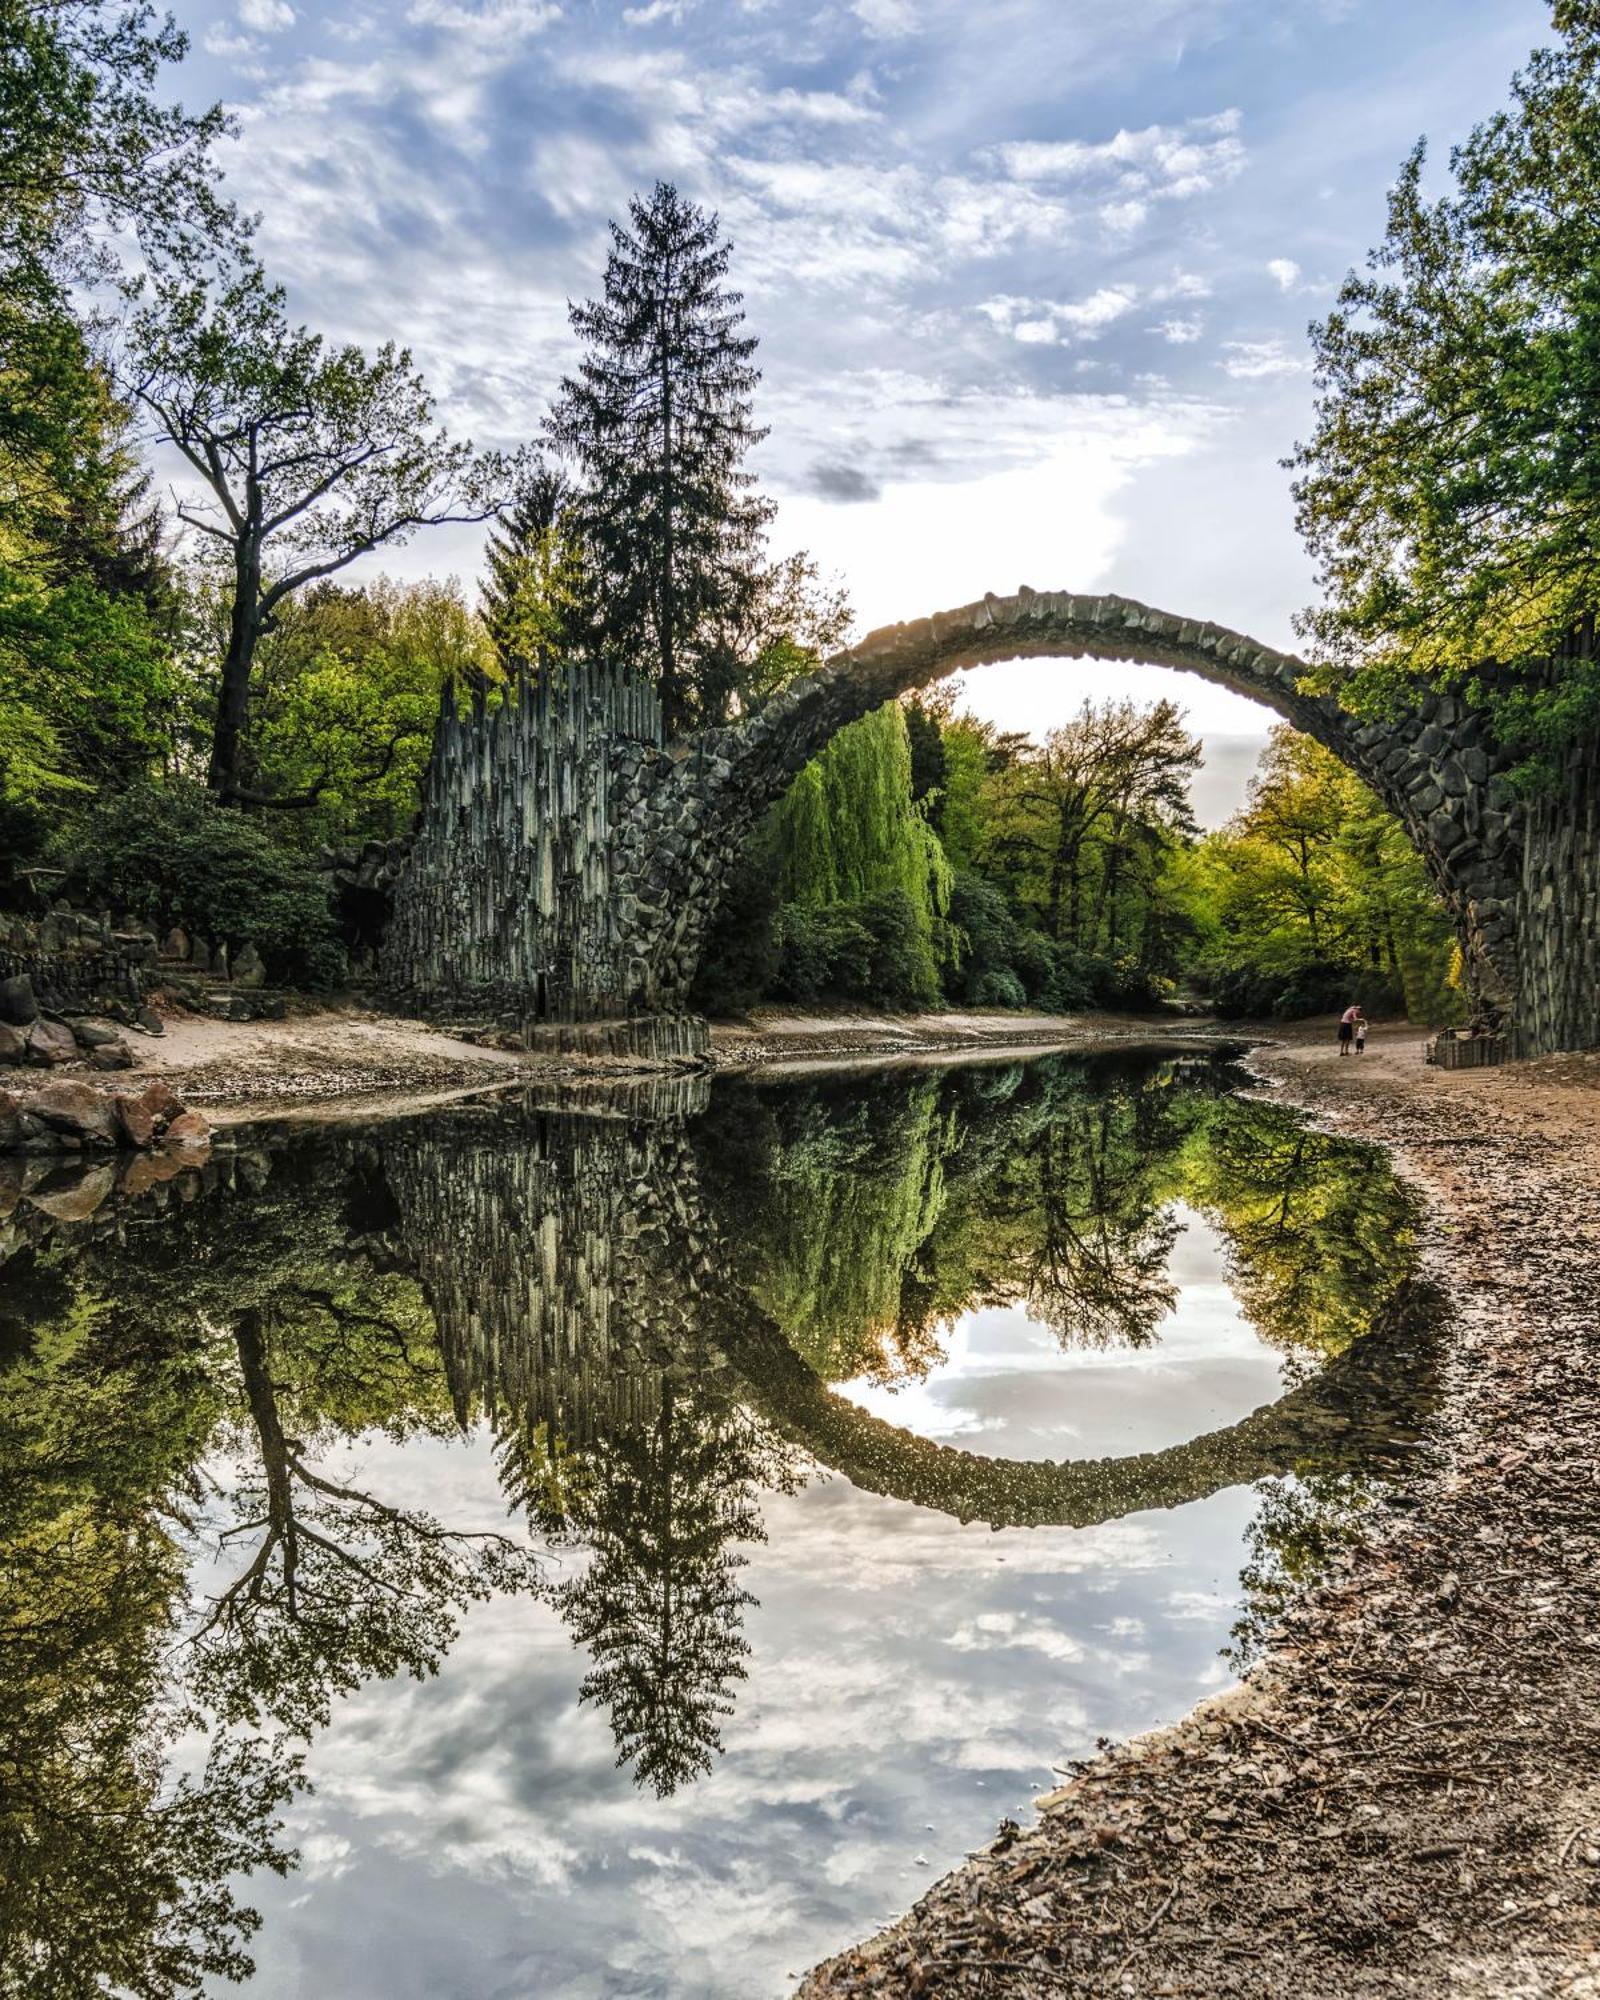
647 1302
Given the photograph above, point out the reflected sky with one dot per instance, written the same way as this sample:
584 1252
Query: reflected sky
911 1681
596 1497
1007 1387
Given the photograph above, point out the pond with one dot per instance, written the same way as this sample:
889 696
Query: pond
633 1545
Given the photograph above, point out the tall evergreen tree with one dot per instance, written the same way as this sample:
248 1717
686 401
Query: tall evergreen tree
530 586
658 418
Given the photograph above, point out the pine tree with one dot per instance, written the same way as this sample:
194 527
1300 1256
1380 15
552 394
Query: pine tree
658 419
530 588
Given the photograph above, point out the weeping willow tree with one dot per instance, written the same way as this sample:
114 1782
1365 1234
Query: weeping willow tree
861 876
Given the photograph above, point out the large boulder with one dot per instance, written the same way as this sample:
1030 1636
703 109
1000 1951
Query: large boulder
111 1055
175 945
19 1004
13 1044
78 1109
51 1043
146 1113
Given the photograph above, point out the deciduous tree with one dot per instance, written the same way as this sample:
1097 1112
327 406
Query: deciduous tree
308 457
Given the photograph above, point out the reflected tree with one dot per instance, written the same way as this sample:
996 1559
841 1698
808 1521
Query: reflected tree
1319 1234
663 1511
338 1585
1299 1526
115 1873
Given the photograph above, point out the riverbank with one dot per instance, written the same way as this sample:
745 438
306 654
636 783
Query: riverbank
1404 1797
341 1062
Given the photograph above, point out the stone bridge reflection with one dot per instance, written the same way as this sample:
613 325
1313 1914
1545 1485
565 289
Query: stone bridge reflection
581 1260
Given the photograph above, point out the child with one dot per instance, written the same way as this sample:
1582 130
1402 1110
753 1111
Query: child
1361 1034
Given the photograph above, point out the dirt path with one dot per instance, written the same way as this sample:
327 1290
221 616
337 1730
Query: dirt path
1404 1799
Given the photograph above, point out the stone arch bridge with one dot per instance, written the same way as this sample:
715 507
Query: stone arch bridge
568 861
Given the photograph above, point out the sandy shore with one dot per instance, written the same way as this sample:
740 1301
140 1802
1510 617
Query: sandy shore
343 1062
1404 1798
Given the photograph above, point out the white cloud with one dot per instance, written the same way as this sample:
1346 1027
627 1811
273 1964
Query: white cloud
1171 162
887 19
1255 360
1180 331
221 42
488 20
1285 270
1045 320
266 17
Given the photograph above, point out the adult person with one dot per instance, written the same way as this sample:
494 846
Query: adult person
1347 1028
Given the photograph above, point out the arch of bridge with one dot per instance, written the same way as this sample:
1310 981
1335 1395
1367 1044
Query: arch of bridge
1358 1408
684 813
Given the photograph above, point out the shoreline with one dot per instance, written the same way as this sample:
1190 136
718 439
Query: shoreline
339 1064
1403 1795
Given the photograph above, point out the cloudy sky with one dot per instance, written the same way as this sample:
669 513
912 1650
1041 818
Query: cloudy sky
1031 277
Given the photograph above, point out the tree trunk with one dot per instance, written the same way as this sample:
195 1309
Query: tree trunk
226 774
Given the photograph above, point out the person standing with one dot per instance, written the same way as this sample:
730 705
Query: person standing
1361 1033
1347 1029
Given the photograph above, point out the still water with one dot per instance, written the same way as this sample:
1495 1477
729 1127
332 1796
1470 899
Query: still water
633 1550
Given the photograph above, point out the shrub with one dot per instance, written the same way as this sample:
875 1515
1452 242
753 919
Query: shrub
999 987
873 950
172 854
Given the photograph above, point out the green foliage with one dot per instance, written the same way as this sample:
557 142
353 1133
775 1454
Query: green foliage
173 854
532 588
743 953
1314 898
347 694
310 457
658 418
1450 490
88 146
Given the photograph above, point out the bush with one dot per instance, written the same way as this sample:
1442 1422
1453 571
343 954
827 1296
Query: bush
172 854
872 951
998 987
1245 992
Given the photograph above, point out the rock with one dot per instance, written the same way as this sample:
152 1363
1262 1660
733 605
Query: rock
200 954
175 945
219 961
18 1003
13 1044
51 1043
189 1128
248 970
112 1055
76 1200
79 1110
94 1034
136 1119
150 1021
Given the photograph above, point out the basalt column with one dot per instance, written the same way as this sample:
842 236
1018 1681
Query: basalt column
509 903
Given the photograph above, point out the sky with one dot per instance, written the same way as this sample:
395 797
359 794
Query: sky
1031 278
